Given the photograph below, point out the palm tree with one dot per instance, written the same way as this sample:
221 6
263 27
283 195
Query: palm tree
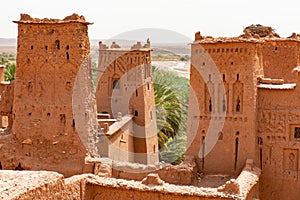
10 72
168 108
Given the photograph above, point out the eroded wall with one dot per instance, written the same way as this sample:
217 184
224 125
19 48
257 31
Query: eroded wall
280 57
45 131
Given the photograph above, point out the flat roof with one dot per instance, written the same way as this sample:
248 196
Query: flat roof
289 86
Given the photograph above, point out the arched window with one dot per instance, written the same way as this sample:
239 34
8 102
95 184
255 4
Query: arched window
116 84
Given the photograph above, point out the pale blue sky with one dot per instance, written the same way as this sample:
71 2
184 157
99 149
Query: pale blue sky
112 17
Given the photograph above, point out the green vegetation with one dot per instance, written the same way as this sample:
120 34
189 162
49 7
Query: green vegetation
175 57
6 58
171 99
10 72
9 60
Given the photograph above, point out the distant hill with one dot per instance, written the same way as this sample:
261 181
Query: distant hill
9 45
8 42
158 48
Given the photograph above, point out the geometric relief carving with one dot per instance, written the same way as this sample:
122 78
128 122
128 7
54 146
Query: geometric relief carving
238 90
290 164
270 121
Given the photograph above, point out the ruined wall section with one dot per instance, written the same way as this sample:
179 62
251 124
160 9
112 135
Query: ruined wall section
280 57
50 55
225 94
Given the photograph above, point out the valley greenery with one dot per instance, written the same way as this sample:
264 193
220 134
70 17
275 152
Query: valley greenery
171 99
9 60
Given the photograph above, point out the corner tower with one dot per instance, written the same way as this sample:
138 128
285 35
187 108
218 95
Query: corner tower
125 85
54 116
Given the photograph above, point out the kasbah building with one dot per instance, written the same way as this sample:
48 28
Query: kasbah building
63 141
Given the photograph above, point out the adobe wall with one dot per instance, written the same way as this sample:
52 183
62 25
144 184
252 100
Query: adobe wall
184 174
125 85
52 185
52 105
117 142
278 118
221 135
280 56
152 187
31 185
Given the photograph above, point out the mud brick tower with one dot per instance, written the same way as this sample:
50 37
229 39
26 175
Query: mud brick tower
224 76
54 116
125 85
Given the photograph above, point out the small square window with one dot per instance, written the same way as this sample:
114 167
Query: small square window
297 132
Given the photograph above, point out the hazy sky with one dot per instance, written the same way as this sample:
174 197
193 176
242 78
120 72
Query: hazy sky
112 17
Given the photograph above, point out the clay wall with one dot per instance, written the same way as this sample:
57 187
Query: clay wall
278 117
223 79
53 57
280 57
52 185
184 174
117 142
125 85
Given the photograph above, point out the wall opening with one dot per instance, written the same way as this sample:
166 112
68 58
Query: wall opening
67 56
68 47
19 167
236 152
48 114
62 118
57 43
224 105
297 132
136 113
31 47
116 84
136 93
1 166
73 123
29 86
238 105
210 106
46 47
